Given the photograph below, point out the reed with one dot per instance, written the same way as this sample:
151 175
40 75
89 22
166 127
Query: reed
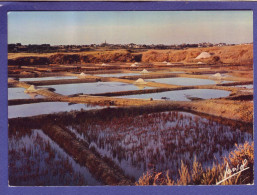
211 175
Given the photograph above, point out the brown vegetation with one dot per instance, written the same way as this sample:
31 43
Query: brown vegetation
210 176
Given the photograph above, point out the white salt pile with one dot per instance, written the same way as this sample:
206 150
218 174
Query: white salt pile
103 64
199 63
144 71
203 55
82 75
32 88
169 63
136 63
133 65
217 75
140 81
164 62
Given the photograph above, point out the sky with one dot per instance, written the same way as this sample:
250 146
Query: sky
123 27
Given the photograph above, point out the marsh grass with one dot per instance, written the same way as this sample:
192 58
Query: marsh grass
211 175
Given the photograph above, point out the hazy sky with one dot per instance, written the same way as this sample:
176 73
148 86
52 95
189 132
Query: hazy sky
141 27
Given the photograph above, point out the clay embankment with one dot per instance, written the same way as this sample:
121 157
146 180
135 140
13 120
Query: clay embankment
238 54
80 152
234 111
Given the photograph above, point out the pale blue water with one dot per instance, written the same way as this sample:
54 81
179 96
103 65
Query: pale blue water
182 95
183 81
47 78
245 86
118 74
18 93
93 88
34 109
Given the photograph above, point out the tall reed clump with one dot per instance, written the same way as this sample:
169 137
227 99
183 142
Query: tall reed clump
225 173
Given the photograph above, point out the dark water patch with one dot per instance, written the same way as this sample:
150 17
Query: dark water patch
35 160
159 140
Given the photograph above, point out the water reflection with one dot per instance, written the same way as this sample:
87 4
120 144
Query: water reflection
47 78
118 74
35 109
34 159
159 140
93 88
245 86
18 93
183 81
183 95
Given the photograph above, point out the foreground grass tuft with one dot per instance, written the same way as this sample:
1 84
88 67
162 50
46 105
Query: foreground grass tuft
225 173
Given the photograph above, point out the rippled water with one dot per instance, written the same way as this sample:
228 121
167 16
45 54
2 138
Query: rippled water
34 109
94 88
182 95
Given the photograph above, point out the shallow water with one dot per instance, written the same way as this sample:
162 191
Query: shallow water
47 78
118 74
159 141
182 95
93 88
34 159
183 81
34 109
18 93
245 86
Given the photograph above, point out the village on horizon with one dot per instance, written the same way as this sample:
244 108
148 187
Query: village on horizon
47 48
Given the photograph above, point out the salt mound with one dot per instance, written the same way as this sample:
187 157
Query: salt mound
82 75
133 65
136 63
103 64
199 63
203 55
32 88
164 62
11 80
169 63
140 81
217 75
144 71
